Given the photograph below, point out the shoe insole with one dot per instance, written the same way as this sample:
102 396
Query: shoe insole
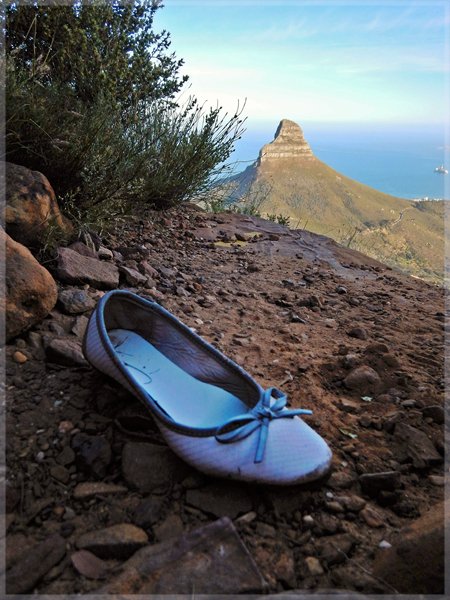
184 398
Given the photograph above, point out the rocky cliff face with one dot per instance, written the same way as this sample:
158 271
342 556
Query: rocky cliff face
289 180
289 142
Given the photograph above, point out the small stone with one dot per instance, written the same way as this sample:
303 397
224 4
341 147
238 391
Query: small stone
308 521
119 541
88 489
391 361
350 406
334 507
350 360
146 467
352 503
384 544
371 517
93 454
408 403
437 480
36 345
69 514
341 289
105 253
20 357
171 527
327 524
75 301
88 565
297 319
406 508
314 566
65 427
417 445
362 378
147 269
434 412
265 530
253 268
247 518
148 511
341 480
80 326
66 351
373 483
58 511
365 421
60 473
335 549
376 348
66 457
133 277
359 333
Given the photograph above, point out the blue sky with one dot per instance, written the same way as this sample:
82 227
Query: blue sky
327 61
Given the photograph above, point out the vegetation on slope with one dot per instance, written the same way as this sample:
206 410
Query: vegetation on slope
401 233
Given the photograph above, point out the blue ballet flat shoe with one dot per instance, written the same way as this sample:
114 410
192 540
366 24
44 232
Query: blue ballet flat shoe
212 413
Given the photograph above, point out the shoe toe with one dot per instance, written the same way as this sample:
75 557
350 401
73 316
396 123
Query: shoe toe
294 454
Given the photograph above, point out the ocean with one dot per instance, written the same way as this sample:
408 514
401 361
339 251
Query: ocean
395 159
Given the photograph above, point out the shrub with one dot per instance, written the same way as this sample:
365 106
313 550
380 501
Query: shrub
112 141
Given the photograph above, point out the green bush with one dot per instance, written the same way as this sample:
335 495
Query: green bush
117 140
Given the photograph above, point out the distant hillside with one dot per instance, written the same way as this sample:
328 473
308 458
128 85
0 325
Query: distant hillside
287 179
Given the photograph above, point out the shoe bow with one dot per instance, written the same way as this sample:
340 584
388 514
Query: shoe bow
271 406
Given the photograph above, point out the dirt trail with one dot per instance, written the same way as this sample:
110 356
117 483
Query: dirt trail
288 306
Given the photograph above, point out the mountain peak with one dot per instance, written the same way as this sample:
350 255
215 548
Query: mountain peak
289 142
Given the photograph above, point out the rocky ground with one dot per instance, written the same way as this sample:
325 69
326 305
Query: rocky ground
97 502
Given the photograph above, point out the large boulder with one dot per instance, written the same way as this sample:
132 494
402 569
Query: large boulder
415 563
31 208
31 291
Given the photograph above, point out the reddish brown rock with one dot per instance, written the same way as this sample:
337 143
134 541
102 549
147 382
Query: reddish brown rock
90 489
34 564
31 292
208 560
415 562
65 351
76 269
133 277
150 466
418 446
88 565
362 379
31 207
118 541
